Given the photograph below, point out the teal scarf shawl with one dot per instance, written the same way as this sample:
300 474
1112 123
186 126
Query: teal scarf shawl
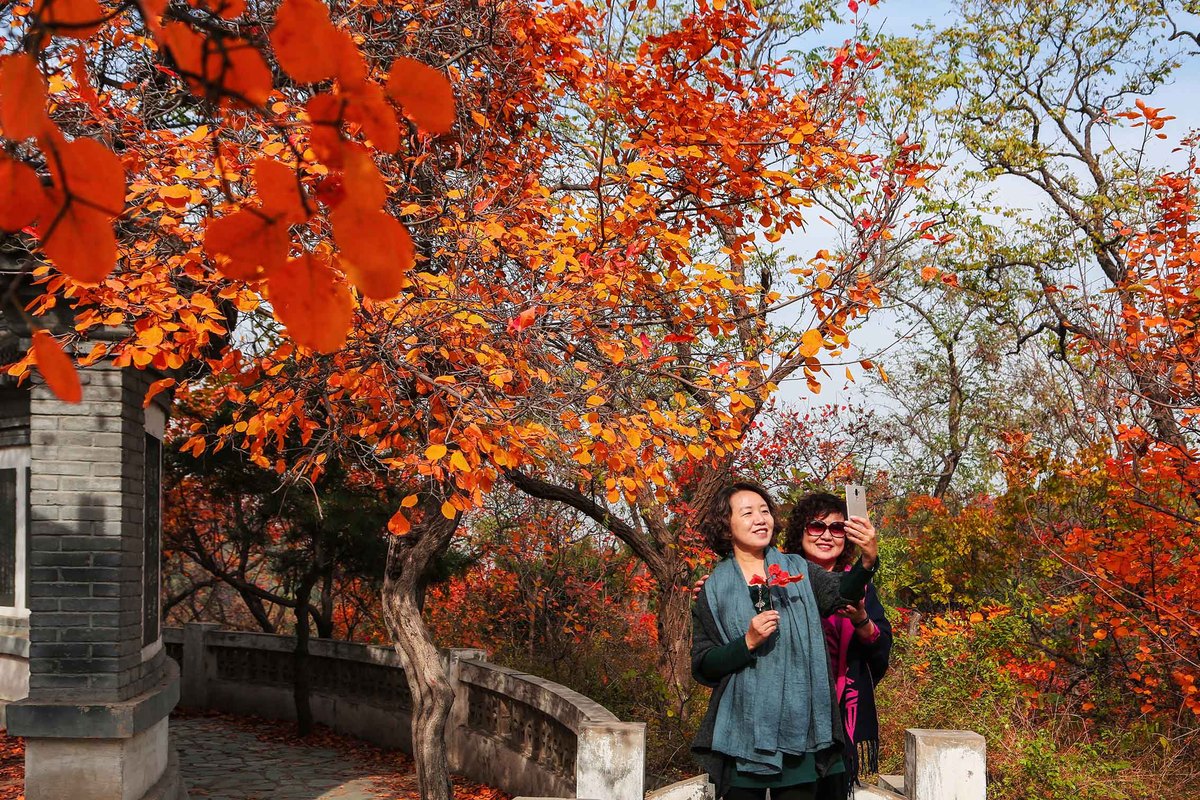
781 703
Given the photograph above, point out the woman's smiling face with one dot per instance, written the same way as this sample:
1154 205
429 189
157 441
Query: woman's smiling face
751 525
824 548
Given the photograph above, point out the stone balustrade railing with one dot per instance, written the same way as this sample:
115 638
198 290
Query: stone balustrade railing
509 729
518 732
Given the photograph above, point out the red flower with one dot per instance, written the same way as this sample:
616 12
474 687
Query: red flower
780 576
758 580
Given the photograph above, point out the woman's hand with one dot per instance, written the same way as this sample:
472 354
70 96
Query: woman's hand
856 613
698 586
864 627
761 628
861 532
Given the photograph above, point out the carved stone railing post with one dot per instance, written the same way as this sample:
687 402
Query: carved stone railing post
458 745
944 765
198 666
610 762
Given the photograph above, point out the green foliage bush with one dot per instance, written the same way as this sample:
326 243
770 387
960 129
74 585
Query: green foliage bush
960 675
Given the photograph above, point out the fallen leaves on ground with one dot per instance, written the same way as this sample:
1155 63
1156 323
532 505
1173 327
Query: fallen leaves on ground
12 767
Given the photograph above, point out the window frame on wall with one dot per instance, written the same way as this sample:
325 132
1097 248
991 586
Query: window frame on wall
18 459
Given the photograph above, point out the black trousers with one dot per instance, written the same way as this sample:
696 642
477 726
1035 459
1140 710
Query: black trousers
832 787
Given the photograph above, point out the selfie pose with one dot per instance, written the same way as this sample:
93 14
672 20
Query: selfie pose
859 639
758 641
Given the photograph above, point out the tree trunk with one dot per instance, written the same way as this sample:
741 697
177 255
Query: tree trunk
257 610
674 620
324 625
324 620
407 560
954 412
301 667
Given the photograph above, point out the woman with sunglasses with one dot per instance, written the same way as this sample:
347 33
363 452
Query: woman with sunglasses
772 721
859 638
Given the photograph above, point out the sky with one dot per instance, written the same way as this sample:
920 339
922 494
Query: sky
883 330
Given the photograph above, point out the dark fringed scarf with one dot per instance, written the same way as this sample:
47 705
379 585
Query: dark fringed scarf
856 697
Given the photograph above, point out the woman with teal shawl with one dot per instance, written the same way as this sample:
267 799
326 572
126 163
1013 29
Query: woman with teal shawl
772 720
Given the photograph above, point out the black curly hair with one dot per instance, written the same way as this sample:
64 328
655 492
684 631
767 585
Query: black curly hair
714 520
815 506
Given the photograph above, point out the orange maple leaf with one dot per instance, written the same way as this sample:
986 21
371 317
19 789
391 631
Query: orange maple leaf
314 306
56 367
22 98
424 93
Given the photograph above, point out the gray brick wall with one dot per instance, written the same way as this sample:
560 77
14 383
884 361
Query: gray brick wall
86 527
14 416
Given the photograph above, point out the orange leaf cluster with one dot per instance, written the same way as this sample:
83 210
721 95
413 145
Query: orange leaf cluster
454 297
75 214
71 213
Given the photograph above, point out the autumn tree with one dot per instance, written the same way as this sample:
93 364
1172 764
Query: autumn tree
309 548
163 115
1087 275
1142 558
290 547
435 309
783 147
1035 94
545 589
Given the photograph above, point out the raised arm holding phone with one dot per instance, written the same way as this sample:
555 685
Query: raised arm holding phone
827 530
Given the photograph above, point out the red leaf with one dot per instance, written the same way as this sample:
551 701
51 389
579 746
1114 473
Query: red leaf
311 48
88 171
152 11
424 93
79 73
22 98
156 389
326 113
399 525
75 18
89 191
368 107
523 320
79 241
221 68
362 185
246 242
56 367
644 345
280 191
376 250
227 9
21 195
313 305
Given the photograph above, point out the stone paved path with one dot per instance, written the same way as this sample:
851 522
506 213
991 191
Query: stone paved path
234 758
242 758
221 760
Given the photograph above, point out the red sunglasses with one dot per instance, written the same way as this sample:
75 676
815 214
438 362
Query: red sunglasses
816 529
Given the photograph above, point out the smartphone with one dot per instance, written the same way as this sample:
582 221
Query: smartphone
856 500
